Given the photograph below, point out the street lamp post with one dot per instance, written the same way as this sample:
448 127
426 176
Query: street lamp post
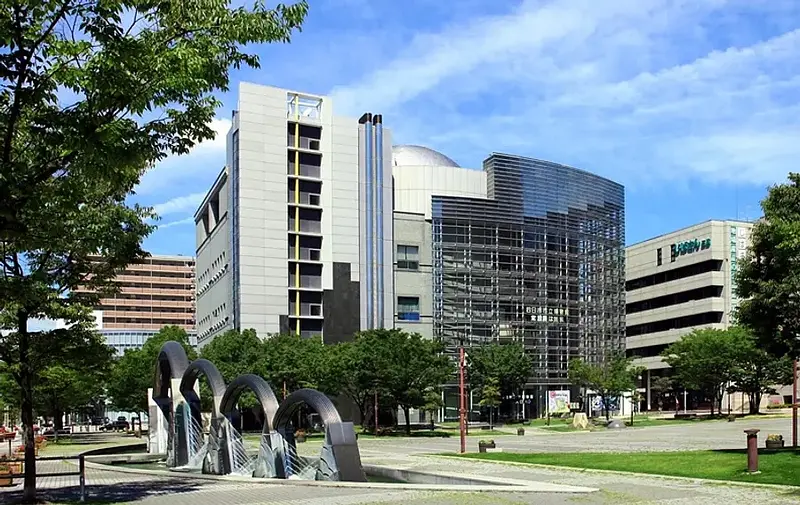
462 411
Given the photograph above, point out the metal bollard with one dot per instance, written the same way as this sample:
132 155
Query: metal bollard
752 450
82 470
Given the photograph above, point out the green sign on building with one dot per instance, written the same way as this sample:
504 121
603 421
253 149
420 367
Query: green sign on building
688 247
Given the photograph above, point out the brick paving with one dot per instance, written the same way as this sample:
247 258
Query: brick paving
115 487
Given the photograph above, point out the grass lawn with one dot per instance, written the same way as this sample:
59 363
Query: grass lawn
777 467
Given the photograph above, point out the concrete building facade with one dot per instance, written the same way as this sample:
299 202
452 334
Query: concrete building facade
156 292
678 282
299 222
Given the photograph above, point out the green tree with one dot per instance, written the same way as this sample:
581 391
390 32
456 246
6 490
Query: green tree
234 353
490 396
133 372
705 360
433 402
507 364
660 387
94 93
768 280
610 378
292 362
757 372
73 385
352 371
408 365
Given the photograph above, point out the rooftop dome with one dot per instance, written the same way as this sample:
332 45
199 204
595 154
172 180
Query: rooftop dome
409 155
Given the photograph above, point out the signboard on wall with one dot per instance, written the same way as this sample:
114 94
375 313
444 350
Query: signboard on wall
688 247
558 402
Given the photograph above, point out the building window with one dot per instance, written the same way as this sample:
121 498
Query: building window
408 308
659 256
407 257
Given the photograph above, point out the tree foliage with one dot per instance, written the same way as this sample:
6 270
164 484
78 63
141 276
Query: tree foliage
490 395
134 372
768 280
93 94
660 387
507 364
234 353
410 365
704 360
610 378
293 361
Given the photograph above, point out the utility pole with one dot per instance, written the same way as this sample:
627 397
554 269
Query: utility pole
794 404
462 411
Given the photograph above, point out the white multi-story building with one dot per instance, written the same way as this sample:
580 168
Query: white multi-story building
286 232
678 282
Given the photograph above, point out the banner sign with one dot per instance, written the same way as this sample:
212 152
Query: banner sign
558 402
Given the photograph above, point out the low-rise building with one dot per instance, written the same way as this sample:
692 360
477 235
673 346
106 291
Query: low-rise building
676 283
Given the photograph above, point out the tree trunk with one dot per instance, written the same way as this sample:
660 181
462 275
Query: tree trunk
605 408
58 420
407 413
755 403
26 385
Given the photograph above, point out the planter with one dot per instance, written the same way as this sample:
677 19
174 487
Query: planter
5 480
483 447
775 444
520 431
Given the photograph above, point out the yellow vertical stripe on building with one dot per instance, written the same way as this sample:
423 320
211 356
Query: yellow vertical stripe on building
297 327
297 247
297 219
297 191
297 276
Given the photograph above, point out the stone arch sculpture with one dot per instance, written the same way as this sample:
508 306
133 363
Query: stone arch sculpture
174 396
340 458
189 422
172 362
265 463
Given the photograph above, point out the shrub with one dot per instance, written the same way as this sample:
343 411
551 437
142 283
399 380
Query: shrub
774 437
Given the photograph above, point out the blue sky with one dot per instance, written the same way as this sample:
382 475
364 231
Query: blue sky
693 105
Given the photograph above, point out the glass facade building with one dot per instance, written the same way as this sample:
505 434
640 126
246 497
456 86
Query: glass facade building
540 262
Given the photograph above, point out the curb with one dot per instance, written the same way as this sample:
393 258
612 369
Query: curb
620 472
506 486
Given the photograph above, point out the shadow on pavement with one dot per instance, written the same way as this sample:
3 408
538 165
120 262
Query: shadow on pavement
109 493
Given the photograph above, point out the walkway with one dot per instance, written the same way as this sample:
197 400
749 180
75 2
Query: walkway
117 487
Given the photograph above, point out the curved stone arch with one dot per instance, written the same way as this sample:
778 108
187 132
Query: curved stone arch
171 364
340 458
203 368
311 397
259 387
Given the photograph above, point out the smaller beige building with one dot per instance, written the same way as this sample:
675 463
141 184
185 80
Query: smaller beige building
678 282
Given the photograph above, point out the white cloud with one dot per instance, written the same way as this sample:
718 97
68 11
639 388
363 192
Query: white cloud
181 222
180 204
632 89
203 161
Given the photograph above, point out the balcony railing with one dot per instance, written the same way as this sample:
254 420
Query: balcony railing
306 281
305 254
306 226
305 198
306 309
305 170
303 142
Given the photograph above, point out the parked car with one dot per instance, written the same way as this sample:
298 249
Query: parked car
121 424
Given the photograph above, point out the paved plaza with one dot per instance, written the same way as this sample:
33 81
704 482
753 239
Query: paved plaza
116 487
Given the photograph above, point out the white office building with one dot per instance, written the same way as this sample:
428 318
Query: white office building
676 283
285 234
